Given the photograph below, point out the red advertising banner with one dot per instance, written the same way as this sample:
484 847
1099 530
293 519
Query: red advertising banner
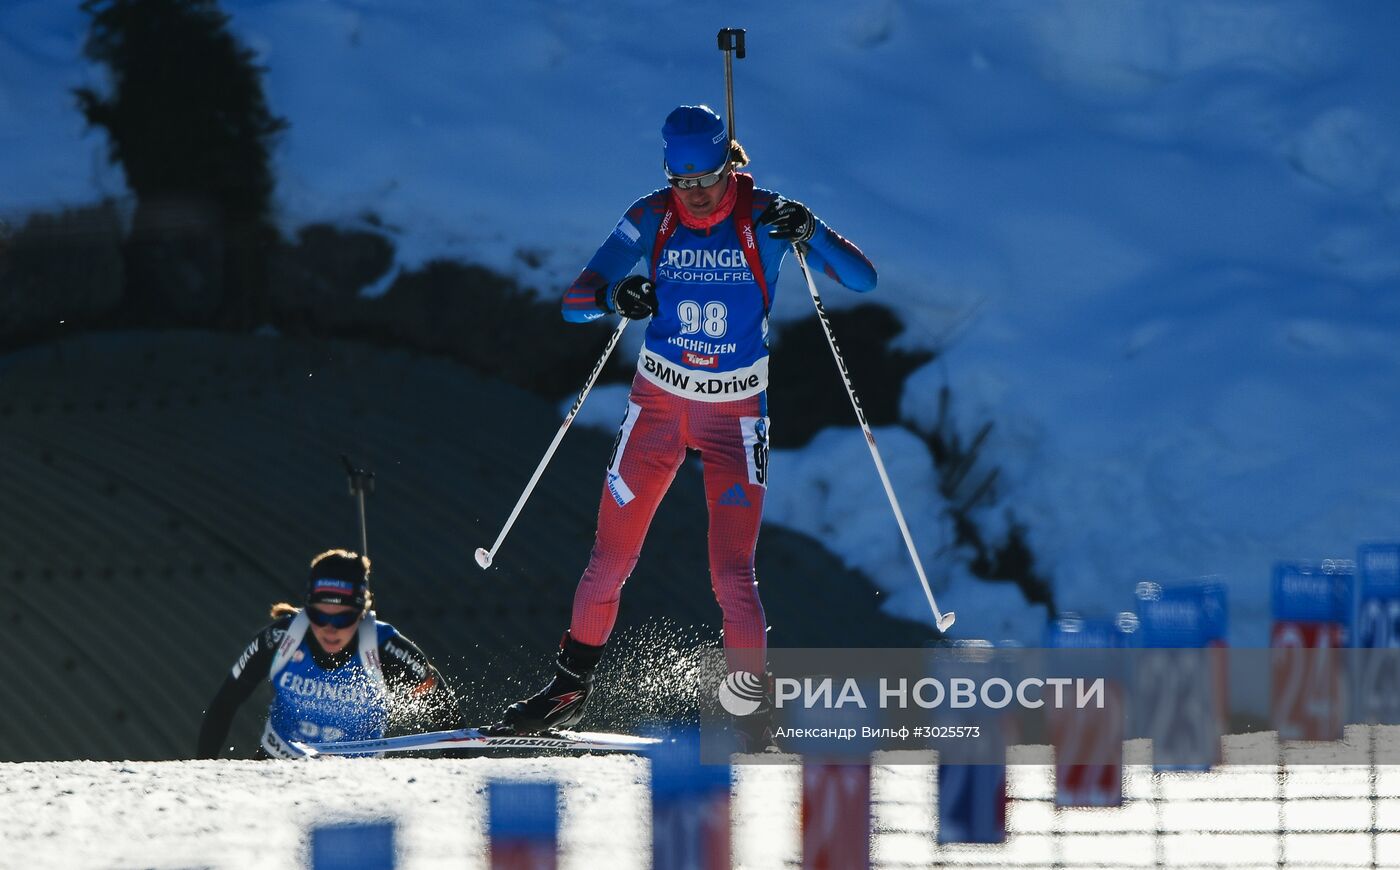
835 816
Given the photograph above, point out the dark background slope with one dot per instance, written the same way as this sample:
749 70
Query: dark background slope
160 490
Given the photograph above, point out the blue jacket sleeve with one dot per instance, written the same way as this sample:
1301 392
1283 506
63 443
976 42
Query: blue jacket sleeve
612 262
840 260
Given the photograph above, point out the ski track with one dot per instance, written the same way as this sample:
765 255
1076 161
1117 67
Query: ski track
228 815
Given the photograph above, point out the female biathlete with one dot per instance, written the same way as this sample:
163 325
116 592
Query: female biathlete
700 384
337 672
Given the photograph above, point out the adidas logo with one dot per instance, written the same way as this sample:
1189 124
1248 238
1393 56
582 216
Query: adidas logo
735 496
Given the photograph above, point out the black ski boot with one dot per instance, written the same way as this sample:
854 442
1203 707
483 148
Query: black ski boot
560 704
754 732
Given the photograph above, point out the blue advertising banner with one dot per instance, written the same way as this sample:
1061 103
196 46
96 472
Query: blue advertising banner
1376 626
1181 693
1378 596
689 806
353 846
971 803
1311 606
523 824
1077 733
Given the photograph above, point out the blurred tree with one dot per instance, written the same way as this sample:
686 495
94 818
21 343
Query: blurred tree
806 392
60 272
188 123
970 489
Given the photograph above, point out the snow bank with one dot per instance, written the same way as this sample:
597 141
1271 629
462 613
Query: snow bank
1154 241
831 491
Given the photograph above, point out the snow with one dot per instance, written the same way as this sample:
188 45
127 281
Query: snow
830 490
819 496
233 814
228 815
1155 241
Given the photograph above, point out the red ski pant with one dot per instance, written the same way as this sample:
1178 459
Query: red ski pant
732 438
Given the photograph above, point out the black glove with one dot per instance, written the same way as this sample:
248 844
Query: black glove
792 221
633 297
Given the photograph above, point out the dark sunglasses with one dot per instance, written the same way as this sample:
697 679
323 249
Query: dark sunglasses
334 620
686 182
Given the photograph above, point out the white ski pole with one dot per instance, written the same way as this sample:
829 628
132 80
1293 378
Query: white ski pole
944 621
484 556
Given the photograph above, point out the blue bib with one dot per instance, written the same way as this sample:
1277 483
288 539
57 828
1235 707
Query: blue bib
311 704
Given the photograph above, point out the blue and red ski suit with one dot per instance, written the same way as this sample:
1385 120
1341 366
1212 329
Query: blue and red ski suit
701 383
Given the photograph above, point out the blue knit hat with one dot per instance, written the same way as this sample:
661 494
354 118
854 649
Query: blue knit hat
696 141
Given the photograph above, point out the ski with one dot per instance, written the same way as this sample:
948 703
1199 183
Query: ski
472 739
